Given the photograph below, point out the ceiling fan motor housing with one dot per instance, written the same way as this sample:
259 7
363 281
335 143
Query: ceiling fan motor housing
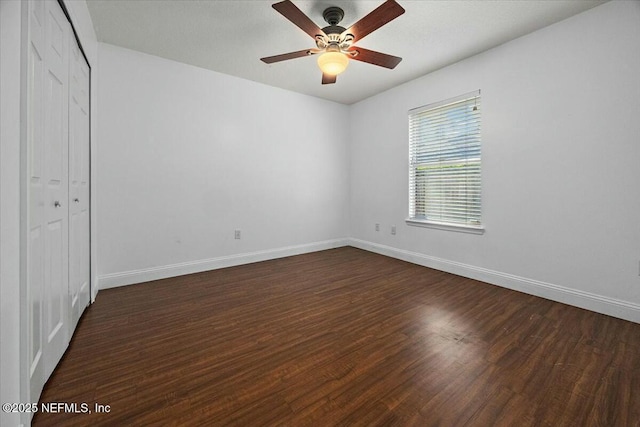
334 29
333 15
334 32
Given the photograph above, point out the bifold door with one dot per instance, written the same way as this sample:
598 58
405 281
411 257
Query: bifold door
57 265
78 184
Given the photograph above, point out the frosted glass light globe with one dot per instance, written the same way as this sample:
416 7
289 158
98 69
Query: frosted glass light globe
333 63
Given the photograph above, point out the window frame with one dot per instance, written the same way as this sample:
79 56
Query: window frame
415 220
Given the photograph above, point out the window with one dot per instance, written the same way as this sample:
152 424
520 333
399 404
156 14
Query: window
445 164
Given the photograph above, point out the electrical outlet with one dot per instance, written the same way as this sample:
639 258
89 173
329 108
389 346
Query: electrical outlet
377 227
393 230
237 234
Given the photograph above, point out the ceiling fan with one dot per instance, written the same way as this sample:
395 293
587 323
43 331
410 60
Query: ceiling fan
335 43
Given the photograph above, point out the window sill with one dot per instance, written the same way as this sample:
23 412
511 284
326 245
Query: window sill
447 227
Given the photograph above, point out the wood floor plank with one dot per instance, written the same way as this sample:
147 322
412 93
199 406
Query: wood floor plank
343 337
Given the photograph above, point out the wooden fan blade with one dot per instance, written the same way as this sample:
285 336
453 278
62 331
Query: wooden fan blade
295 15
328 79
285 56
386 12
375 58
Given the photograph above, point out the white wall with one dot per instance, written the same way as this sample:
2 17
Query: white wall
188 155
561 164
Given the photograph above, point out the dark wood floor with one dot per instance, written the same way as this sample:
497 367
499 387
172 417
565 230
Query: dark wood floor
344 337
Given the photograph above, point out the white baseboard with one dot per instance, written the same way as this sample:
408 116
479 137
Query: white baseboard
598 303
155 273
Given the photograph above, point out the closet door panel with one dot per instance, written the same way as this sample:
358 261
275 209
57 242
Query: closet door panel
56 186
57 159
78 184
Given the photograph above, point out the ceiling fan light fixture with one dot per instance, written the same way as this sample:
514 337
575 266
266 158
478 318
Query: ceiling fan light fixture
333 63
334 43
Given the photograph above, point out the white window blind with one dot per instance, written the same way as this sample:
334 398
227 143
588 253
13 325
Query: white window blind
445 162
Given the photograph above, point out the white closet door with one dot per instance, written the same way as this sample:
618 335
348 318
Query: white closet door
47 270
78 184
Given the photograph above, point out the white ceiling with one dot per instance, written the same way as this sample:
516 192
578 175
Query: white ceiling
231 36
